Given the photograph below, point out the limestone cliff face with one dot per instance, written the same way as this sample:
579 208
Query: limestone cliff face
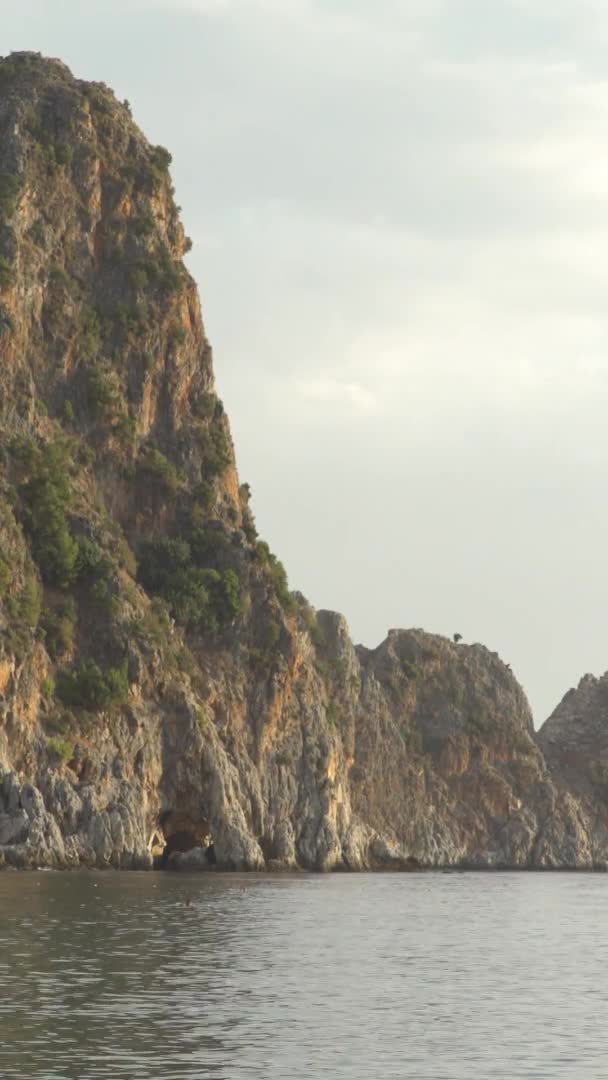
160 687
574 741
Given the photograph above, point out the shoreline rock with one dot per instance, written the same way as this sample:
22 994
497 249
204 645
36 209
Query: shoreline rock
161 689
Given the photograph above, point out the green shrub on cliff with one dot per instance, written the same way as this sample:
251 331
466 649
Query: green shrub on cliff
59 624
267 638
162 158
143 224
166 568
213 443
164 272
46 494
92 563
156 466
159 165
103 395
26 608
277 574
231 590
196 595
23 609
410 669
60 748
88 687
128 321
177 335
138 278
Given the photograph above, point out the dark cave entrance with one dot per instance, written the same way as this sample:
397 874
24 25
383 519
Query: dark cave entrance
180 833
182 842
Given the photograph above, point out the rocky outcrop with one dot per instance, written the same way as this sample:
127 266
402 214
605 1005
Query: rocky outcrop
164 698
574 741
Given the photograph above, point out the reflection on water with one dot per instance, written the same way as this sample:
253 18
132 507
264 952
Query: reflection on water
442 976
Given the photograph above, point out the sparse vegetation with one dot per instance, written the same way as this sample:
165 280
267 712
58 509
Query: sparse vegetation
103 395
277 574
196 596
92 563
99 98
410 669
143 224
6 576
27 610
46 495
87 686
215 448
7 274
157 467
9 190
164 272
204 406
161 158
203 719
154 626
63 153
316 632
60 748
125 556
159 165
130 320
177 334
231 590
8 70
58 625
7 324
96 569
269 637
138 278
89 332
248 520
331 712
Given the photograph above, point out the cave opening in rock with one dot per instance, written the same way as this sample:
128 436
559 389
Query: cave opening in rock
184 842
179 834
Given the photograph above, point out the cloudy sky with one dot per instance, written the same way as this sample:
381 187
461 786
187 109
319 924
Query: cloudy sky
400 217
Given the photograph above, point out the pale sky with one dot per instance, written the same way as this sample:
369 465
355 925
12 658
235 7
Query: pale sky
400 221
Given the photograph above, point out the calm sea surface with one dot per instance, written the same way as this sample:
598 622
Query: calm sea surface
445 976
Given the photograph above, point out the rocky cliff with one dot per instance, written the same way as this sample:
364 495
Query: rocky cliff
162 692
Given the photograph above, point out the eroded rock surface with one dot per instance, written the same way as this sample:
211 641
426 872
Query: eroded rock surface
158 681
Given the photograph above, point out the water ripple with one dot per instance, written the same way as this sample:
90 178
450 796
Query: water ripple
422 976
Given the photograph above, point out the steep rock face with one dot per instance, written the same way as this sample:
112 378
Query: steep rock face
160 687
574 741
